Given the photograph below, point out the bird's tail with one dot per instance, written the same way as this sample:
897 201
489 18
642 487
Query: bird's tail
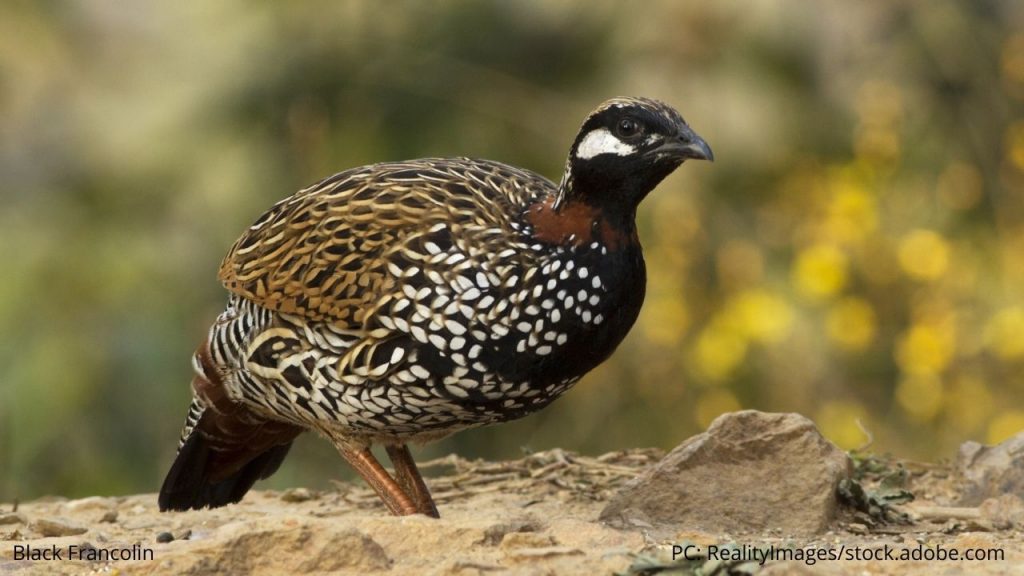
225 448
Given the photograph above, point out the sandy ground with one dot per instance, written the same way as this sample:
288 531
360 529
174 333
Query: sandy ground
532 516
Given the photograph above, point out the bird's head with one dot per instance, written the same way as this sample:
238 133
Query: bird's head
624 149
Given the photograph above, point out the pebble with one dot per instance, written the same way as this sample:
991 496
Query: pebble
857 528
109 516
297 495
90 503
546 552
49 527
164 537
12 518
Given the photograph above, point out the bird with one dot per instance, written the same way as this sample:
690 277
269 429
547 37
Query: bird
400 302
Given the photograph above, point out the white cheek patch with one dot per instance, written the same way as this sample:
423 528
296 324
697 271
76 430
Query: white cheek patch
601 141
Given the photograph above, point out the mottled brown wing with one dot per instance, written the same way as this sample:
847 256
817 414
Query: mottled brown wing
324 253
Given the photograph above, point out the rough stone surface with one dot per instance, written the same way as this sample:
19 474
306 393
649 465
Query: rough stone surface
97 503
295 550
58 527
1004 513
991 471
12 518
749 472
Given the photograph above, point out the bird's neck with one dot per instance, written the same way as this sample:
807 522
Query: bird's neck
570 221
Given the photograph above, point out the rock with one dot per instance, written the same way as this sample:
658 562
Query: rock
199 534
496 533
297 495
50 527
527 540
532 554
991 471
298 550
749 472
1003 513
12 518
90 503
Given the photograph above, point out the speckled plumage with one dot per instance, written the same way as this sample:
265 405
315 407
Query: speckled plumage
404 301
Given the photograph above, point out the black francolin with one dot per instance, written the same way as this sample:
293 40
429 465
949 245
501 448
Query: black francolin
404 301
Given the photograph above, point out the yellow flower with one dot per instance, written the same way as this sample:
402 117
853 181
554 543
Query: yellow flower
719 350
820 271
920 397
851 323
713 404
759 316
924 255
1004 333
926 348
1005 425
852 212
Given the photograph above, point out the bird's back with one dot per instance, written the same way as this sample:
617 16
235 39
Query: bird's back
331 250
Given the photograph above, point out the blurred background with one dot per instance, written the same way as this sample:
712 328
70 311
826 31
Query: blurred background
855 254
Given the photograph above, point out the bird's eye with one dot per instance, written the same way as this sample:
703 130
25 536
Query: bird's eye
627 128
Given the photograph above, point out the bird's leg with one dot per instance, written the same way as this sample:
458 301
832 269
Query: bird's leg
408 475
394 497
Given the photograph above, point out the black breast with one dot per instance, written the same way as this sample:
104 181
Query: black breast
582 305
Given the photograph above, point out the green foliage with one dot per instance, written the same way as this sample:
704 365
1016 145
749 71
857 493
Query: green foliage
875 487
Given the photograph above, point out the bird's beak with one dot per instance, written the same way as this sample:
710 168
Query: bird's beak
687 144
